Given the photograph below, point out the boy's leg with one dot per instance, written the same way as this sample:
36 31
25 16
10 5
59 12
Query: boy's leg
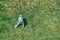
17 25
23 24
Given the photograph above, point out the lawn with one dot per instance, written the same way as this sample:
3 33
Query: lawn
42 18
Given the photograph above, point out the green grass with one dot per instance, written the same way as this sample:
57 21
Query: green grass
42 16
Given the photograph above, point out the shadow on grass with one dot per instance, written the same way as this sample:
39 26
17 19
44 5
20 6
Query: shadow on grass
25 22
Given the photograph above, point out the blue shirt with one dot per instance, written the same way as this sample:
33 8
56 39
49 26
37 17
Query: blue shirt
20 19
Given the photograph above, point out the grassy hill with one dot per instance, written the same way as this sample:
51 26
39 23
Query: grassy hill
42 17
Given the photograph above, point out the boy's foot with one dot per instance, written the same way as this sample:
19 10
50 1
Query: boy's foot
15 26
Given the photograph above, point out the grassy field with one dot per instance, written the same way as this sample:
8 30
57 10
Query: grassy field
42 17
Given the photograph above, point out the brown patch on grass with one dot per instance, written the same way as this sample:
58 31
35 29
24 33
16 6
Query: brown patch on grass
11 4
21 3
50 2
28 3
35 0
32 3
8 5
14 3
53 3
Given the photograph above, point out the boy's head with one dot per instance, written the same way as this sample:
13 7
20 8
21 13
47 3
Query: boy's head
20 15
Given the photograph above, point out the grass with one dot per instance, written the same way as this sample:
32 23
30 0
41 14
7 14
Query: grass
42 16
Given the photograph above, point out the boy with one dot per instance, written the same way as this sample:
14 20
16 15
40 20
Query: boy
20 21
